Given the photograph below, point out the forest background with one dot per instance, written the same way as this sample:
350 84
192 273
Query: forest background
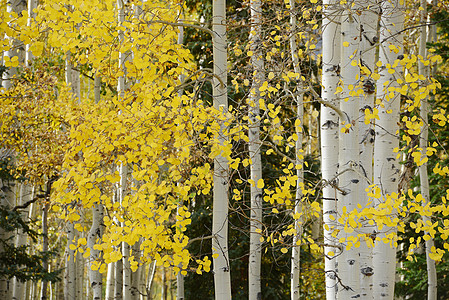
240 149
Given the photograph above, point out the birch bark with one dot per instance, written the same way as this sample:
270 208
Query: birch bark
123 169
79 277
70 276
386 167
70 271
255 246
151 273
221 268
110 279
295 292
96 231
136 276
44 284
25 195
369 35
329 135
423 173
349 153
127 284
179 276
32 4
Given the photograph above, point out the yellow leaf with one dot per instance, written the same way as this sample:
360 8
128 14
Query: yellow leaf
314 247
260 183
37 48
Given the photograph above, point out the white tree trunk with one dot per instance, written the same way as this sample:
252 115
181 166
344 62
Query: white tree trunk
349 154
222 277
127 284
180 286
163 284
95 233
329 136
32 4
97 88
179 276
125 265
136 276
386 167
118 288
110 282
142 281
70 271
151 273
70 276
126 268
369 32
7 194
25 195
295 289
44 284
79 274
76 84
423 174
255 245
26 192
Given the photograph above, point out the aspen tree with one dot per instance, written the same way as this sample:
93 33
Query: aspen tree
386 167
298 220
70 275
423 142
96 231
179 275
75 264
7 197
110 282
369 36
45 265
70 271
254 144
163 284
329 136
25 195
123 168
150 280
32 4
79 266
222 278
135 249
349 154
